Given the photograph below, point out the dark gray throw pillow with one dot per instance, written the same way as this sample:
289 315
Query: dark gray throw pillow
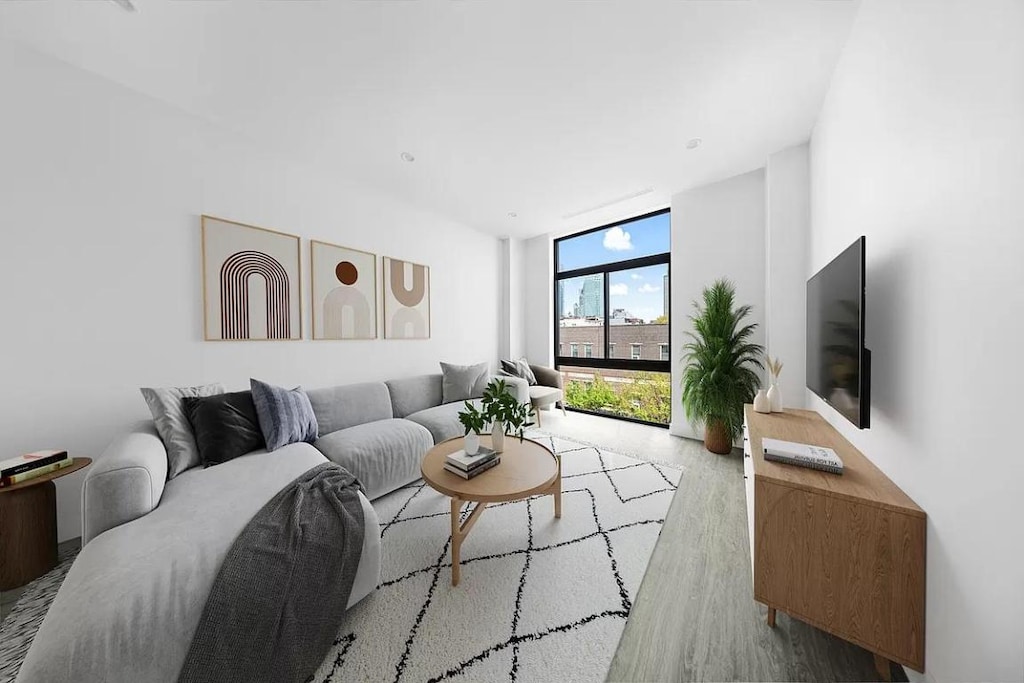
519 368
286 415
461 382
225 426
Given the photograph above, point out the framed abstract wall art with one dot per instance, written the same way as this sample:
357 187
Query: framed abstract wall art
252 284
344 292
406 300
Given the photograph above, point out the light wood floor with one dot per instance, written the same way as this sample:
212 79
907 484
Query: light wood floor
695 618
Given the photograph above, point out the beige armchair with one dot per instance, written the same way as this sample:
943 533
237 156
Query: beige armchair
547 390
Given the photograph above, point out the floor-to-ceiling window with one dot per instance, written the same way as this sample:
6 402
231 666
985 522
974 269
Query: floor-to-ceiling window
612 314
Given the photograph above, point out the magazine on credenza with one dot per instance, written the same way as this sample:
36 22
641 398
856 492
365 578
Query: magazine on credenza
802 455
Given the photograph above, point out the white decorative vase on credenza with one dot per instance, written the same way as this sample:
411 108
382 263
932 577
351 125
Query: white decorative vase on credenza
775 397
762 403
498 436
471 443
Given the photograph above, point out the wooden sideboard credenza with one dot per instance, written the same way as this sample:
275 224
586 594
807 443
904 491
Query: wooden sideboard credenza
844 553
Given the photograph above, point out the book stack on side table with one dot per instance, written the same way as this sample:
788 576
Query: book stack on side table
32 465
469 466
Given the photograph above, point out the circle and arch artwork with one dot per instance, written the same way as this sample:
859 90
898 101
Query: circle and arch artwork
344 292
251 282
406 300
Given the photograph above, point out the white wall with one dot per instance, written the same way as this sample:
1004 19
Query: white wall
920 147
787 218
718 230
538 300
100 195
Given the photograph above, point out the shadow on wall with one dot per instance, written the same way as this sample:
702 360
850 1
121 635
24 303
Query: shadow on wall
895 334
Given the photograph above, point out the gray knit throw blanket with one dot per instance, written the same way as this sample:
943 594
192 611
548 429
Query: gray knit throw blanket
279 599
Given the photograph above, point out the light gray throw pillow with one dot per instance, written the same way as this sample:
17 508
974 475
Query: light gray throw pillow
461 382
173 426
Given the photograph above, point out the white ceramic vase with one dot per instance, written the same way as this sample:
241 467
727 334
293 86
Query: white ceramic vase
472 443
498 436
775 397
761 402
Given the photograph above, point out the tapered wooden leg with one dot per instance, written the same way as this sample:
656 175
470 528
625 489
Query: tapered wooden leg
459 533
456 540
771 617
536 413
883 668
558 489
562 403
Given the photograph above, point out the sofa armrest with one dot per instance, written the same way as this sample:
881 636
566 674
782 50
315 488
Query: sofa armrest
548 377
124 483
517 385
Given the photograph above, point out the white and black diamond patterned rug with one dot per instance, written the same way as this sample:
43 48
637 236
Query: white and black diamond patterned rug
539 599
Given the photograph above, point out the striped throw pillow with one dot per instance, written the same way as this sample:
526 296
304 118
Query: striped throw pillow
286 415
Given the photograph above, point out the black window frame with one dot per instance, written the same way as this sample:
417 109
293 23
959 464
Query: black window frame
606 269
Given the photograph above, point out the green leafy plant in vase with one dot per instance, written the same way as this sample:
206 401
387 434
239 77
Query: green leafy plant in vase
474 421
721 366
506 413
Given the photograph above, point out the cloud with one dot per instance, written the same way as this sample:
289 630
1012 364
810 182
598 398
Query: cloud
636 276
621 289
617 239
648 288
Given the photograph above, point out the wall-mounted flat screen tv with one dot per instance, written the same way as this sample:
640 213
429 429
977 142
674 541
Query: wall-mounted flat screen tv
838 365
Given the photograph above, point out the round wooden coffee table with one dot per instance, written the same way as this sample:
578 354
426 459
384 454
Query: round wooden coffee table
526 469
28 527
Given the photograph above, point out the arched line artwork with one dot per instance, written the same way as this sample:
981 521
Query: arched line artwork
251 282
344 292
406 300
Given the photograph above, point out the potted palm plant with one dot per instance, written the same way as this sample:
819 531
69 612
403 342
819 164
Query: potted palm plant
721 366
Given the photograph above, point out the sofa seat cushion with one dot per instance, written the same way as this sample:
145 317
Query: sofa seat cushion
443 420
542 396
134 595
383 455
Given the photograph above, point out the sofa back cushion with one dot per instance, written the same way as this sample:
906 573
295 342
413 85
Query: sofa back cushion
413 394
349 405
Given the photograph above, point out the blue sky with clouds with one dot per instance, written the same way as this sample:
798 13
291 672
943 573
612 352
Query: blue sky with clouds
640 291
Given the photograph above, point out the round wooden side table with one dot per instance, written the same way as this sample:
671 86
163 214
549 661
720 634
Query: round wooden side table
28 527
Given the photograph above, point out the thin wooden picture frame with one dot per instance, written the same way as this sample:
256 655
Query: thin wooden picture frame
242 267
315 305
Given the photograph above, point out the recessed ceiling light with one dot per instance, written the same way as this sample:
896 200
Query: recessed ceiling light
408 157
512 214
694 143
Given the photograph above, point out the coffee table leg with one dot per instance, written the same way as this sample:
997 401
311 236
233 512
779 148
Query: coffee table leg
558 490
456 540
459 533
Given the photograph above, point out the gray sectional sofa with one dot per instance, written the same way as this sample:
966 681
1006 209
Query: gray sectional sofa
152 548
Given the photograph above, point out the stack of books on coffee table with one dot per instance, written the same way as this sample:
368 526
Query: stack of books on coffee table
469 466
32 465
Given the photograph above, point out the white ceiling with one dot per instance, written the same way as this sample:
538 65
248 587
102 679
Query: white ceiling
543 108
